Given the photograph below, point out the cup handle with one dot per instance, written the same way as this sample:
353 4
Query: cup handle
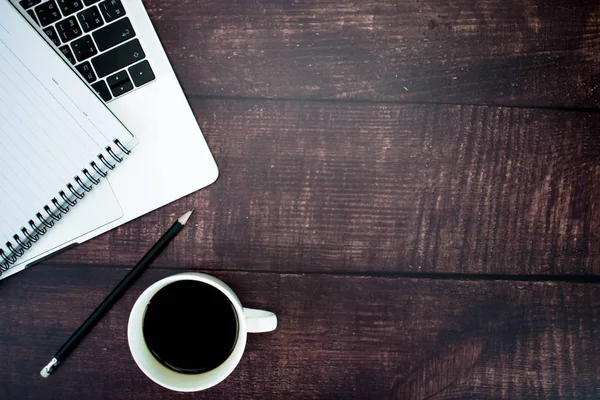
259 320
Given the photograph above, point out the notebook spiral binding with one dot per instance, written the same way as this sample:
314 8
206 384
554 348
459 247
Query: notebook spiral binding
61 204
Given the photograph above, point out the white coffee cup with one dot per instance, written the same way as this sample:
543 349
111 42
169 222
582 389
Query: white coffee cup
249 321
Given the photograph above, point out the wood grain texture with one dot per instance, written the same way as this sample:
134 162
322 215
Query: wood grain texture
338 338
323 202
383 188
515 52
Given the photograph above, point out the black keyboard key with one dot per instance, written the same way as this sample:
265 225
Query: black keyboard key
102 90
117 79
33 17
113 34
68 29
84 48
51 33
47 13
66 50
112 9
121 88
85 69
90 19
141 73
29 3
118 58
90 2
68 7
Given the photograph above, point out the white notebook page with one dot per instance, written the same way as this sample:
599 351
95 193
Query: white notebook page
51 125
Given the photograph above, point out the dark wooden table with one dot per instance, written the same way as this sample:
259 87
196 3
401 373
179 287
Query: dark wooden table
412 186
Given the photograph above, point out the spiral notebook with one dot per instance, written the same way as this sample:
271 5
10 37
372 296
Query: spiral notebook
58 142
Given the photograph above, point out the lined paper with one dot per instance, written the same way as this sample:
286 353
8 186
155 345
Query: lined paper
51 124
41 147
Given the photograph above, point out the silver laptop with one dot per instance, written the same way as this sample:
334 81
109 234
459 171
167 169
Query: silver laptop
113 46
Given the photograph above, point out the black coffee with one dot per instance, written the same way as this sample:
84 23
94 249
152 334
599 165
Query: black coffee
190 326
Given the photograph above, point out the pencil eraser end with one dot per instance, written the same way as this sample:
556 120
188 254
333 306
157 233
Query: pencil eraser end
47 370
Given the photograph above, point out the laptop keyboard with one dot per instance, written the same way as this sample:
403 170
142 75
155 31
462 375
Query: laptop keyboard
97 37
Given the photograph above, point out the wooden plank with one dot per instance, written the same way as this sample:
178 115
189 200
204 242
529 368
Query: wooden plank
521 52
384 188
339 337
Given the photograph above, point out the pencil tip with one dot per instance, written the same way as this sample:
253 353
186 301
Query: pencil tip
184 218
